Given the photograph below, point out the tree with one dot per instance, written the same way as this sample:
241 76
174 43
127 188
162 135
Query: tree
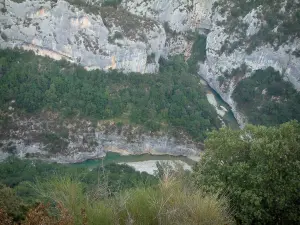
259 169
11 203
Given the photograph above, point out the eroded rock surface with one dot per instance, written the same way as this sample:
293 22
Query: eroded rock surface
111 38
51 138
130 37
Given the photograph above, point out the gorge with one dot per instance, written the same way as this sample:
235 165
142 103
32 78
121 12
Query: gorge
132 37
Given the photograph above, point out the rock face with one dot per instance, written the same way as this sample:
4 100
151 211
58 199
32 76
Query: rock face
131 37
48 137
228 50
179 17
112 38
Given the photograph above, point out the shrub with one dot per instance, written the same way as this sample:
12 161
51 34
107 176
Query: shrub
113 3
258 168
171 202
198 53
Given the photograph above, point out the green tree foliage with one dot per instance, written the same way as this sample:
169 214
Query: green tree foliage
113 194
278 26
17 173
172 97
11 203
267 99
198 53
18 180
259 168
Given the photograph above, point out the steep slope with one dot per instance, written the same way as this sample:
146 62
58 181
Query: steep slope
247 36
131 36
104 38
179 17
58 111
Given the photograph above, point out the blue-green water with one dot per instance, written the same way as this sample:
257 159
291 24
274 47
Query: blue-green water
229 118
112 157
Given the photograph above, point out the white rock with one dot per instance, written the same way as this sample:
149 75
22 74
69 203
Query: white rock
150 167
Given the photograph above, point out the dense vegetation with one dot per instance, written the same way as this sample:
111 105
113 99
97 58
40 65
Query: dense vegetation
258 168
92 6
114 194
267 99
14 171
198 53
18 178
173 97
281 21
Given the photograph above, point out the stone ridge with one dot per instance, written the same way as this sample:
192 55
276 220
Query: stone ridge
48 137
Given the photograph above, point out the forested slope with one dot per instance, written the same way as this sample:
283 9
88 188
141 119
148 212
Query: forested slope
173 97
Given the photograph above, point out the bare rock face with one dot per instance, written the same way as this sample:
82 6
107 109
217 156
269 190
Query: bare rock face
109 39
230 47
50 138
179 17
130 37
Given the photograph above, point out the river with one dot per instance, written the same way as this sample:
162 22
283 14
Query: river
222 108
147 162
142 163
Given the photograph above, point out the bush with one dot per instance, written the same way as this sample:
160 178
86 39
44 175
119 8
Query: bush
258 168
116 35
170 202
198 53
11 203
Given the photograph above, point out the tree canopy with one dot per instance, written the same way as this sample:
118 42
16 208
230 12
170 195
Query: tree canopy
258 168
267 99
172 97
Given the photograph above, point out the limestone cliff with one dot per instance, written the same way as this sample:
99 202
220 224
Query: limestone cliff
130 37
179 17
46 136
110 38
245 37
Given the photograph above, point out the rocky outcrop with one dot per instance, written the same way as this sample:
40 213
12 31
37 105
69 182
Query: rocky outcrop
229 50
50 138
109 39
179 17
130 37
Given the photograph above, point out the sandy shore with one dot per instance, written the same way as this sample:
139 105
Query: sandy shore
150 165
